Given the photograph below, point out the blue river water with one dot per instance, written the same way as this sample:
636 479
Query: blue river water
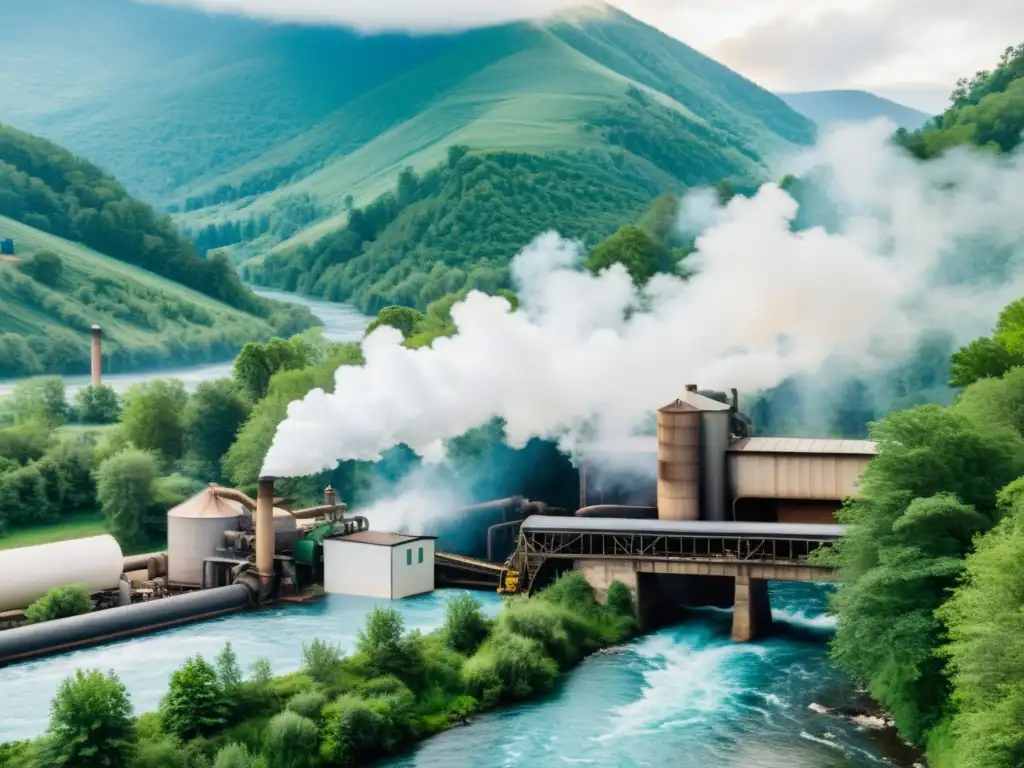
682 697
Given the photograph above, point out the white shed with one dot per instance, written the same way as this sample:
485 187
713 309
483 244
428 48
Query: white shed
378 564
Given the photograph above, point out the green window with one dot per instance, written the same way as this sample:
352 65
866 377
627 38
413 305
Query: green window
421 554
408 557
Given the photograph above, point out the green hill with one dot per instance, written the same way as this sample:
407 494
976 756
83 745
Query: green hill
147 320
829 107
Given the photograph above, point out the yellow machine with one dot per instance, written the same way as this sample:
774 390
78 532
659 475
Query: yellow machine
509 582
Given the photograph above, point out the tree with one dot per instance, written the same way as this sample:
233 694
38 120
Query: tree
260 672
229 674
404 319
40 400
386 647
153 417
465 626
237 756
124 488
23 497
291 741
59 603
91 722
214 414
196 704
46 267
97 405
986 648
633 248
930 488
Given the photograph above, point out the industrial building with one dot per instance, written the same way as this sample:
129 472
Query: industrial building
378 564
719 514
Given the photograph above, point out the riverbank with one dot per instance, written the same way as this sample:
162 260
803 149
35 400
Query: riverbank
410 685
341 322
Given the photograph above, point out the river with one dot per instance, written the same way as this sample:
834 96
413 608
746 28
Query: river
341 323
682 697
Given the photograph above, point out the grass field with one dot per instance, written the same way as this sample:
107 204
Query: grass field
146 319
74 527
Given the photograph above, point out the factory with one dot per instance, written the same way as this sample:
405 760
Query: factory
228 552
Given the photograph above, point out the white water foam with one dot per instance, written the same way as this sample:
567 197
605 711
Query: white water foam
822 622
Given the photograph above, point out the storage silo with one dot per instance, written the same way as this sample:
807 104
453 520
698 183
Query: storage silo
28 573
714 445
195 531
679 462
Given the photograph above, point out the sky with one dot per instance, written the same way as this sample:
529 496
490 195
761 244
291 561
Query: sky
909 50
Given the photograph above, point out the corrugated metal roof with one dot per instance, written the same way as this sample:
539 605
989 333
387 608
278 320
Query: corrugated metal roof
826 447
379 538
691 401
696 527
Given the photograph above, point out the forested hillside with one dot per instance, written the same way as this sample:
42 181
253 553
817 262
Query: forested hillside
87 252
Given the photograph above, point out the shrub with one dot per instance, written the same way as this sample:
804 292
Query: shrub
465 625
351 730
91 722
97 405
59 603
309 704
508 667
236 756
565 635
291 742
386 648
261 672
321 661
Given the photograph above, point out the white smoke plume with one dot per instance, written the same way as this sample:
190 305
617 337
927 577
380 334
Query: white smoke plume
588 357
417 505
372 16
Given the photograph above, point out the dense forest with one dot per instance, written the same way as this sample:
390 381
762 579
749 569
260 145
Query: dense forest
932 567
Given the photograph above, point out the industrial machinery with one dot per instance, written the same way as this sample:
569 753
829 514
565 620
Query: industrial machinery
309 550
509 581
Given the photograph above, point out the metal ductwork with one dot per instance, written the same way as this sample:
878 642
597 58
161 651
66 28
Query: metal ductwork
265 528
324 510
234 495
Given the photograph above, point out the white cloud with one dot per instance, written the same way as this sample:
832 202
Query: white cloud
391 15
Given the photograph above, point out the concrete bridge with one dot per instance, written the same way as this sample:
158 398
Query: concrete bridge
692 563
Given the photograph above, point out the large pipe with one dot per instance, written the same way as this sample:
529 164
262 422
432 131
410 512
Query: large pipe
619 510
233 495
36 640
324 510
493 530
512 501
139 562
97 356
265 528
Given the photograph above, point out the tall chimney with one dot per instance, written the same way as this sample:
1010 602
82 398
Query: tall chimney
97 356
265 528
735 400
330 496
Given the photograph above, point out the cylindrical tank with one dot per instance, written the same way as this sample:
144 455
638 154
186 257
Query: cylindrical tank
678 462
28 573
714 443
195 531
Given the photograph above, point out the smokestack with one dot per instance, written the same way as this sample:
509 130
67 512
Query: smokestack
735 404
330 496
691 388
265 528
97 355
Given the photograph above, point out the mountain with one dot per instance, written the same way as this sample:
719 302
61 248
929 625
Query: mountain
267 138
163 302
829 107
50 302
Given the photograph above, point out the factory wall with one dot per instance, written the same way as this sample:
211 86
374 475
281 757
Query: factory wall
412 568
795 476
354 568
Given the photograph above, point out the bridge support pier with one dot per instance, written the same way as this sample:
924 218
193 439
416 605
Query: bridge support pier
752 607
601 574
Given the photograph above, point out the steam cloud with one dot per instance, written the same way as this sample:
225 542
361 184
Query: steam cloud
393 15
588 357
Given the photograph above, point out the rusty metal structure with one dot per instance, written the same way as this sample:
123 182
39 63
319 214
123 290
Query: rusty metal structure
558 542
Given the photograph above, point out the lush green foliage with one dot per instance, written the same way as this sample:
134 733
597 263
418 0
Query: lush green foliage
153 418
213 416
196 703
986 110
97 405
125 490
994 355
59 603
91 723
398 686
